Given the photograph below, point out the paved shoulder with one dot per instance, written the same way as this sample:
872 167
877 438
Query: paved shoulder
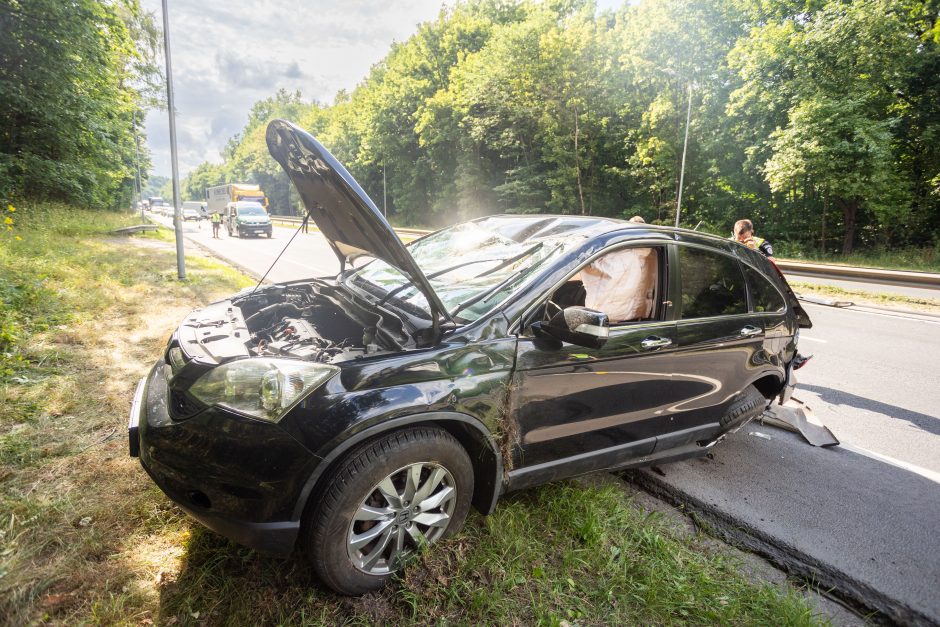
874 539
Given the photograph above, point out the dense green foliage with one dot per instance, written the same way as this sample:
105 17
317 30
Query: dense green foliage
818 119
73 76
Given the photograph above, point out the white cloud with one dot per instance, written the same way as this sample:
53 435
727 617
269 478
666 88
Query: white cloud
228 54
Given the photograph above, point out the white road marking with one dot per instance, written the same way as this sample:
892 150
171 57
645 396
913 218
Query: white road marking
900 316
923 472
813 339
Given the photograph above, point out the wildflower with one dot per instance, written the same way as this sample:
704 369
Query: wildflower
11 208
8 220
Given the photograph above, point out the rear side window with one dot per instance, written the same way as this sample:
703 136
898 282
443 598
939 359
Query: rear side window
712 284
764 296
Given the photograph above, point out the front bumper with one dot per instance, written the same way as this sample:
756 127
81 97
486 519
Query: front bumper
218 492
254 228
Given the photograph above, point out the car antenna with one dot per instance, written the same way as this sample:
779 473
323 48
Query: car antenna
299 229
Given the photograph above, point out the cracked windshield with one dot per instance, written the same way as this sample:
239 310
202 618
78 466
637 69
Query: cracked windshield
472 268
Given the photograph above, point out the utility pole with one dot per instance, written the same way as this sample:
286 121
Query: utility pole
384 195
177 204
140 191
688 117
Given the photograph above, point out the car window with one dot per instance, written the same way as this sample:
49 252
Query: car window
712 284
252 209
622 283
764 296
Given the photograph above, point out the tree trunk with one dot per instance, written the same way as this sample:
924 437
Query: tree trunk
849 212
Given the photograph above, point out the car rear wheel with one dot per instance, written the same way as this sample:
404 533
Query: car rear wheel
749 404
387 499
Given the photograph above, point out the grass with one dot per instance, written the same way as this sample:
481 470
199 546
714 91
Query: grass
926 259
85 537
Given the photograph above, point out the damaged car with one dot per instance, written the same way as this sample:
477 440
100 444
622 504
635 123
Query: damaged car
353 419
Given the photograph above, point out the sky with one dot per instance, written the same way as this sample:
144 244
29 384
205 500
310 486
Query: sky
228 54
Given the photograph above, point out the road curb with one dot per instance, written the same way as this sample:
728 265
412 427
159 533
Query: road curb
855 594
208 252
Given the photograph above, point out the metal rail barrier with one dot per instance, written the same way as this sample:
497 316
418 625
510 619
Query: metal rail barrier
927 280
907 278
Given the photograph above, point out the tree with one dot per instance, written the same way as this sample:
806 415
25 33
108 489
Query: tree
69 80
829 91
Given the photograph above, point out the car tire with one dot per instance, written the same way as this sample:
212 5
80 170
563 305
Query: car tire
270 234
348 552
749 404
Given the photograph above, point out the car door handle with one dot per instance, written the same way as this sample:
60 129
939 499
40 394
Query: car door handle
654 341
750 331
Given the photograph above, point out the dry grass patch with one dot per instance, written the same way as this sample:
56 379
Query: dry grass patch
83 533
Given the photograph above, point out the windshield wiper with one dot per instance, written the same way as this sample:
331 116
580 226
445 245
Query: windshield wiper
507 261
483 297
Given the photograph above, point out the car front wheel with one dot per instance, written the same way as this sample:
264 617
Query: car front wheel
387 499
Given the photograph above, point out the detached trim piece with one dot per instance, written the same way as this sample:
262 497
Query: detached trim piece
133 423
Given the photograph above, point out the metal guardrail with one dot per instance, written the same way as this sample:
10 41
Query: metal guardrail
907 278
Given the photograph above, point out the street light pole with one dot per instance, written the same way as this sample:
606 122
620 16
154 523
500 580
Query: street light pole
384 195
685 145
140 191
177 217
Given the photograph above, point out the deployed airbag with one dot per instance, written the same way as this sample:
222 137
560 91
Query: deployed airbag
622 284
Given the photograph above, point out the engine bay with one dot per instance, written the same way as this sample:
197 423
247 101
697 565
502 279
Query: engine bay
313 321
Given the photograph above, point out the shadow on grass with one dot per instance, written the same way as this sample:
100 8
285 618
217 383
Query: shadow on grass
222 583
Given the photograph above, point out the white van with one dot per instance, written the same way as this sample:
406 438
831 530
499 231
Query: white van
247 217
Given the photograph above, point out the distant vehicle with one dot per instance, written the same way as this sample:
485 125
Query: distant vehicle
246 218
156 201
198 206
218 198
191 214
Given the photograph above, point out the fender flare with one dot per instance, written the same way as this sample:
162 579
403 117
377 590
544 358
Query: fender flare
386 426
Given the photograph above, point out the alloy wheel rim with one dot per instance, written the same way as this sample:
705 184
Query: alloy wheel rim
409 508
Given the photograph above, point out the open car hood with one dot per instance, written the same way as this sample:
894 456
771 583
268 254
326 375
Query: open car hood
341 209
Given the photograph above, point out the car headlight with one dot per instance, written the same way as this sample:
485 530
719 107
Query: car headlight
261 387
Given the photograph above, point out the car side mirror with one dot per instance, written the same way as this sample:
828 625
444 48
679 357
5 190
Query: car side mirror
577 325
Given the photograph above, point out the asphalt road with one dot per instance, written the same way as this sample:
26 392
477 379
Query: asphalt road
862 517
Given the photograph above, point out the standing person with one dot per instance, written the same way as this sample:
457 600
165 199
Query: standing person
303 225
744 233
216 223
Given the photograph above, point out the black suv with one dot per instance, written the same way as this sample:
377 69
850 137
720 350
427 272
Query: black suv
358 417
